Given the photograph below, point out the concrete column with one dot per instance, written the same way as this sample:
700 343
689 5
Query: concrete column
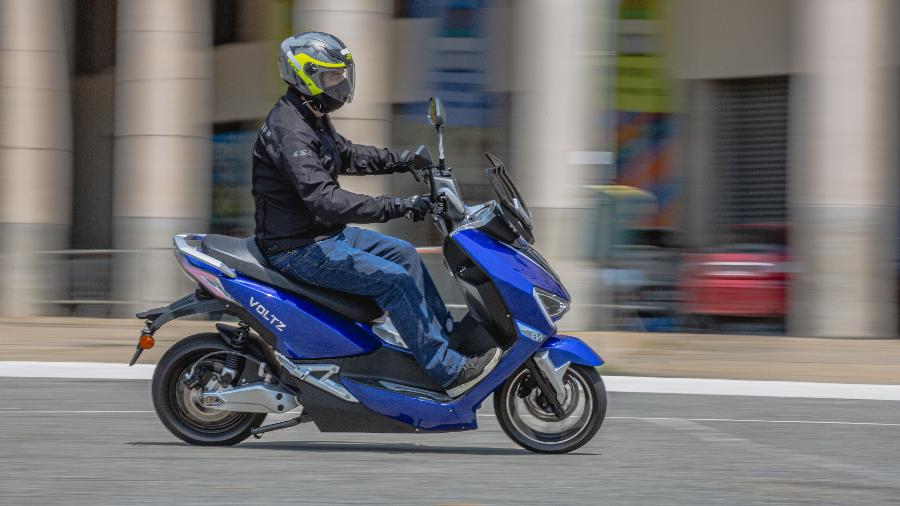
554 93
163 145
843 187
35 151
365 27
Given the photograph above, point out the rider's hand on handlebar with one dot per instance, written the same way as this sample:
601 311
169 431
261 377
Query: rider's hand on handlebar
416 207
415 163
416 174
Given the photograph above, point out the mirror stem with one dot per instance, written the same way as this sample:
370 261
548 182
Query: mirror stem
440 130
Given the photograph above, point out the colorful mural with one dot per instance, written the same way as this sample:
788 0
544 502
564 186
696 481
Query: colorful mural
644 120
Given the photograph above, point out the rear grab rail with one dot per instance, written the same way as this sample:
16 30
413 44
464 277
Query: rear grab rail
181 244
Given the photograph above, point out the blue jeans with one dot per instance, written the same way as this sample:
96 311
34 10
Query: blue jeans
390 270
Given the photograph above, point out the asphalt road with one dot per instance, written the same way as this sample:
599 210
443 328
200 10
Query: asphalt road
98 442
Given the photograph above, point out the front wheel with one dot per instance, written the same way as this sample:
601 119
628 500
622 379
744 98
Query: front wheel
527 418
179 406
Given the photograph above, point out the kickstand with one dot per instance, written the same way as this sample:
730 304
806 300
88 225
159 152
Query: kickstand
259 431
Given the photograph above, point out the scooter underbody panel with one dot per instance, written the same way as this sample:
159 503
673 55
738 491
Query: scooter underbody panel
428 412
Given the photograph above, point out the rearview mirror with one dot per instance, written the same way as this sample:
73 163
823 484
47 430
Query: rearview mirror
436 112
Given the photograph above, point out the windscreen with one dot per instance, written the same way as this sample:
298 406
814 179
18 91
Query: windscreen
510 199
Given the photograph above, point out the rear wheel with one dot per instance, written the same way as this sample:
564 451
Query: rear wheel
179 406
527 418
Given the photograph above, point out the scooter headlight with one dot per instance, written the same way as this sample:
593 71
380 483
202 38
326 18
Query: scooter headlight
554 306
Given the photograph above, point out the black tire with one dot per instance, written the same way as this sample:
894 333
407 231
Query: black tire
184 420
506 407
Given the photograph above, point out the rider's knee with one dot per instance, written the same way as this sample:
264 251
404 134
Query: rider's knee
406 249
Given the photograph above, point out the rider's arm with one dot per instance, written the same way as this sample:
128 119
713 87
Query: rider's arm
322 195
361 160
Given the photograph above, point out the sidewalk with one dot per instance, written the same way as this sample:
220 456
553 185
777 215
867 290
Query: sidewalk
626 353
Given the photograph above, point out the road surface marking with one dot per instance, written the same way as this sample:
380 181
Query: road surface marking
802 389
631 384
754 420
76 412
738 420
74 370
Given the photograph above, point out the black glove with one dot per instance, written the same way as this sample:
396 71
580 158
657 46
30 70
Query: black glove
418 162
404 161
406 158
414 208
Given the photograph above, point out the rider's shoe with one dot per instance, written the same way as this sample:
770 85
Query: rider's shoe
473 370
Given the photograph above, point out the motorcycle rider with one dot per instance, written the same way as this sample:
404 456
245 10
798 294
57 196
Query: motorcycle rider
302 213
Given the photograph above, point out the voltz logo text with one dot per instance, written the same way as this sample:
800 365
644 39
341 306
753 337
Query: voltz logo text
266 315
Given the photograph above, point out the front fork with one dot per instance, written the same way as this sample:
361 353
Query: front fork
549 378
549 364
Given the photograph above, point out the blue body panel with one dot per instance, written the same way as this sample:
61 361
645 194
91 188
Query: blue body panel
304 329
514 275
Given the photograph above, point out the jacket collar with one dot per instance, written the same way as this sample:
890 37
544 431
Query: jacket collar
296 99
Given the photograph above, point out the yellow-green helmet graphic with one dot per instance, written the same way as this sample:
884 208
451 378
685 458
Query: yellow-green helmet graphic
319 66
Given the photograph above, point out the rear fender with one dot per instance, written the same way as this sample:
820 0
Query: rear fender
188 305
563 350
195 303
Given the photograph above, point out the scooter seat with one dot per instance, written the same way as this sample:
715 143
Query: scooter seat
244 256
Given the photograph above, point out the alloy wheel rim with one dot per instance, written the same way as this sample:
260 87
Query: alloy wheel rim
188 406
539 425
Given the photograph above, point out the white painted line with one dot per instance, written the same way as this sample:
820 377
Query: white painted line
697 386
632 384
75 412
74 370
753 420
737 420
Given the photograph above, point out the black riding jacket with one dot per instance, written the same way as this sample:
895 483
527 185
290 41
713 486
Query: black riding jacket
296 161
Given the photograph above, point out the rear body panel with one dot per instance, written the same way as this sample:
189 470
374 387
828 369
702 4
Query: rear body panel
304 329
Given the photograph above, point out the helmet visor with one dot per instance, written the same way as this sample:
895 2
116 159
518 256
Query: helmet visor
337 83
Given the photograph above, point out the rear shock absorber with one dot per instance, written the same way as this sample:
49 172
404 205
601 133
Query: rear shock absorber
234 362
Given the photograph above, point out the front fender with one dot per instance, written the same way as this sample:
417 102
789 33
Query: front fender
564 349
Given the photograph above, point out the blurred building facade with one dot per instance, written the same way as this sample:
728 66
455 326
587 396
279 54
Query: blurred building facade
138 125
790 116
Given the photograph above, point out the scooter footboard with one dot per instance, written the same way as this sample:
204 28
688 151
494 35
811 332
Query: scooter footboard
567 349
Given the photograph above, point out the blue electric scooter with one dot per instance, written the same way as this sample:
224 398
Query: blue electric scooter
335 359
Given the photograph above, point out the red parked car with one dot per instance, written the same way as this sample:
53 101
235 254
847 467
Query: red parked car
746 276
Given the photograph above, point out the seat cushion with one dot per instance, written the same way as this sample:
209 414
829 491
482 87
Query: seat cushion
245 257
